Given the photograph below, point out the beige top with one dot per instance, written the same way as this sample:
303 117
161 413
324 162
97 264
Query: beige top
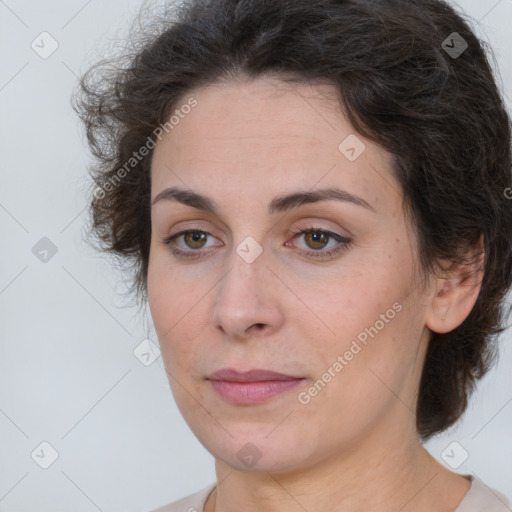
479 498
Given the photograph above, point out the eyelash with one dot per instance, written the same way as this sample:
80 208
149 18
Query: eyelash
344 243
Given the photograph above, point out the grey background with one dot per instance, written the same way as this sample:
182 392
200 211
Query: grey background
68 374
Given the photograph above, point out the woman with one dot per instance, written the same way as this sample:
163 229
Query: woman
313 199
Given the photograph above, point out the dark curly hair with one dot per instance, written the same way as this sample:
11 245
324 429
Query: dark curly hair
403 82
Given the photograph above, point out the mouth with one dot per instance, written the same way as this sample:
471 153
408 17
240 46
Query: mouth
251 387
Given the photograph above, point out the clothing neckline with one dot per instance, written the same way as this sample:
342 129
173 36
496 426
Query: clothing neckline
208 491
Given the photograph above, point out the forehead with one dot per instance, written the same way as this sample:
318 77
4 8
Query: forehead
264 134
261 112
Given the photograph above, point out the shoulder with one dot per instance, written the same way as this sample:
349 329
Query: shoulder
192 503
481 498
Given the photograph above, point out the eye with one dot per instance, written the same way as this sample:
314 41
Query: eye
194 239
318 239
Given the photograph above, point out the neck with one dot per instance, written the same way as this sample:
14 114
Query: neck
394 473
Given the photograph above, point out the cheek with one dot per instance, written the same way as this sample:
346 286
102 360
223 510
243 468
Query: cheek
365 316
166 308
177 309
344 304
170 299
372 363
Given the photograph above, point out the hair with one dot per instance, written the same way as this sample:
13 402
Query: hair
439 115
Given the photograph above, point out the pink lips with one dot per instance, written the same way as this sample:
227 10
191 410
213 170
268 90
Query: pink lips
251 387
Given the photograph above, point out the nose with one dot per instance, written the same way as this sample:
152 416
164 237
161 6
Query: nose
247 302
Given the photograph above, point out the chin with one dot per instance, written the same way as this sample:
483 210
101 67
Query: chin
254 448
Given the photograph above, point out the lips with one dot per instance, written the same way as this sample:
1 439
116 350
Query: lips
251 387
232 375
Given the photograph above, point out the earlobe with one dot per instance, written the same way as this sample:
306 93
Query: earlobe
438 318
456 293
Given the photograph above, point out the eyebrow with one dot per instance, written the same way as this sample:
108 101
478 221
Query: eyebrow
278 204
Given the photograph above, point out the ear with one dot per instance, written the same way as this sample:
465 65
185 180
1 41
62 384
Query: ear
456 292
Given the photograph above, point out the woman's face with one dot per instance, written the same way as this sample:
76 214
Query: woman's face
339 313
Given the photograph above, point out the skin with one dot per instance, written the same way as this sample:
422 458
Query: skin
354 446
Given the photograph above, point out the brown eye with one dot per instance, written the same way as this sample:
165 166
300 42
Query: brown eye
320 243
316 239
191 243
195 239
